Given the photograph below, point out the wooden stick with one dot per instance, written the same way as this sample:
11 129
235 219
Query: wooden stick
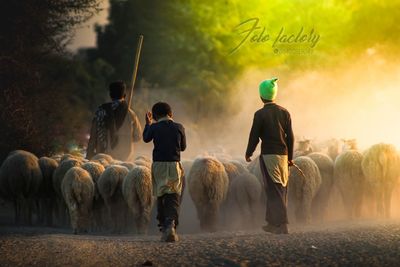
135 68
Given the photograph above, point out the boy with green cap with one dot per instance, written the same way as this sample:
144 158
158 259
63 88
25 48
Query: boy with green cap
272 124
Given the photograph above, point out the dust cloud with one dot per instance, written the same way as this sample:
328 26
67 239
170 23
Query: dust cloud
357 99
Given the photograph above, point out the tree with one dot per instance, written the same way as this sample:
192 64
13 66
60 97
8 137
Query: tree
32 92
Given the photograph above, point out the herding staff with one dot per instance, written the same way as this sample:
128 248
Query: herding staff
135 68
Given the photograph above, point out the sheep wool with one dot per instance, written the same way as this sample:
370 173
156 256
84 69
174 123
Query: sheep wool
381 167
244 197
325 166
137 190
208 186
350 180
20 180
303 189
78 192
110 189
47 193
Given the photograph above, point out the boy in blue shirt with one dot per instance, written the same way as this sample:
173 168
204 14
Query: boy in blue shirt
167 173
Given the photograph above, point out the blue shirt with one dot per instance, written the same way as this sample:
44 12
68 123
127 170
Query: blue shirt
169 139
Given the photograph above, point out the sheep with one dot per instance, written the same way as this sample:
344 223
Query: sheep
47 193
57 179
303 189
61 170
128 165
70 156
110 189
349 144
137 189
141 162
78 191
208 186
227 208
254 168
56 157
143 158
95 170
381 167
103 159
244 198
102 156
325 166
21 179
187 206
240 166
304 148
333 148
231 170
350 180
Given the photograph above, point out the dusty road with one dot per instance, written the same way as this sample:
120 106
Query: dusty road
366 243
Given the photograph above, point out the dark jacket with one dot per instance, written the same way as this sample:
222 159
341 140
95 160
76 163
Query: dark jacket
114 129
272 124
169 140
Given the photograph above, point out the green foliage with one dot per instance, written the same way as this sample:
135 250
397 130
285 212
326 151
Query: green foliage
187 44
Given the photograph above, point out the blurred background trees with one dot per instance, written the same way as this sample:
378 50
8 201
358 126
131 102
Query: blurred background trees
37 78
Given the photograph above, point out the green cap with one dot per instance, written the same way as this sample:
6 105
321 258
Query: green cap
268 89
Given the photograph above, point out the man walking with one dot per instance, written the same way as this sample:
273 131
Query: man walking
272 124
114 127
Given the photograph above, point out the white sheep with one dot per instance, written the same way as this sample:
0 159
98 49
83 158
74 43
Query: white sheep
47 193
142 162
303 148
21 179
110 189
137 189
303 189
129 165
95 170
103 159
325 166
350 180
244 199
381 167
58 176
208 186
255 168
78 191
106 157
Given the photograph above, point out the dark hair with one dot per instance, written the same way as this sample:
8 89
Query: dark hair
161 109
266 101
117 89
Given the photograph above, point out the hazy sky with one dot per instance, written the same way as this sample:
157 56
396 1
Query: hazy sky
85 36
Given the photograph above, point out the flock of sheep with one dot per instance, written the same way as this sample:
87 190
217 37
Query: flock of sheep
100 194
105 194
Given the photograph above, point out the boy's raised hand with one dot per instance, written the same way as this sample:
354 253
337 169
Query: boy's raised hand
149 117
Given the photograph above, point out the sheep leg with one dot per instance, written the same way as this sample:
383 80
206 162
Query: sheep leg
210 218
387 203
348 202
49 207
30 204
379 203
16 212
